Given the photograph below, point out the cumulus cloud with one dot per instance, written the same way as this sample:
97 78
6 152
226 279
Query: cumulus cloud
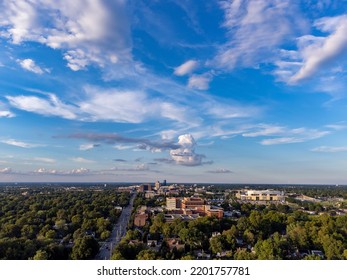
319 51
77 171
30 65
185 154
186 68
88 32
21 144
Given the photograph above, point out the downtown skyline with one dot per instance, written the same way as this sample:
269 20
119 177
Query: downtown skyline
212 91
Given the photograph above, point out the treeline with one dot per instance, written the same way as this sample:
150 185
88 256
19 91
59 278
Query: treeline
54 223
266 232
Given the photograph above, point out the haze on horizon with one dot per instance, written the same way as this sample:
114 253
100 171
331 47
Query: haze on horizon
221 91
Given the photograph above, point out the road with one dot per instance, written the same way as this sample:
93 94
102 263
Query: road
119 231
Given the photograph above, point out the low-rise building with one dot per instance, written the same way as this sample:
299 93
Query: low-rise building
260 195
140 219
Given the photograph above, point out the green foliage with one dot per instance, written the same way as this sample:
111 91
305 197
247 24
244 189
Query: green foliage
84 248
35 223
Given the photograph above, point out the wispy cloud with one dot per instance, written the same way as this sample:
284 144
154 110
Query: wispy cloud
82 160
317 52
47 107
88 146
220 171
256 29
44 159
112 139
21 144
30 65
329 149
200 82
4 112
120 160
186 68
284 135
139 167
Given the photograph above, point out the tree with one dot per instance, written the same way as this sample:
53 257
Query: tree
146 255
41 255
85 248
218 244
243 254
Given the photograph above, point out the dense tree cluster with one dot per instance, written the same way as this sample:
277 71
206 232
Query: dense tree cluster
262 232
56 223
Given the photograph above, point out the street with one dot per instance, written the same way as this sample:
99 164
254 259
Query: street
119 230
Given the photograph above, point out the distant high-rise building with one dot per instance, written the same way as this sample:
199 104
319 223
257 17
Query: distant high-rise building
157 185
164 183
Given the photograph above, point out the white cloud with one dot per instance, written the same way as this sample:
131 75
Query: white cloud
186 68
77 171
266 130
47 107
89 146
226 109
256 29
296 136
316 52
327 149
30 65
220 171
46 171
281 140
82 160
5 113
185 155
5 170
139 167
118 106
87 31
336 127
21 144
112 104
282 134
123 147
43 159
200 82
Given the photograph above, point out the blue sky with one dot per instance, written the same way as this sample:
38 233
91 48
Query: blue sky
188 91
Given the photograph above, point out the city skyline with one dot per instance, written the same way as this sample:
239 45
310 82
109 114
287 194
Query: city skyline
138 91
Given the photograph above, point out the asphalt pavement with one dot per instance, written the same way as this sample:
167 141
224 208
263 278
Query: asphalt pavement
118 231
